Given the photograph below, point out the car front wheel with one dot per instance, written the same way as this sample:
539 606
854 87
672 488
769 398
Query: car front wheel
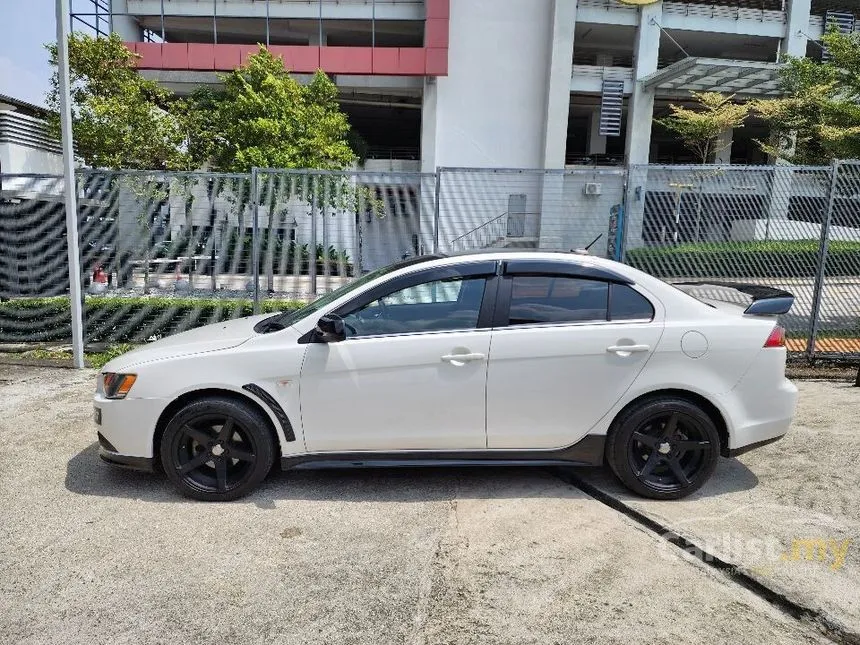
217 449
663 447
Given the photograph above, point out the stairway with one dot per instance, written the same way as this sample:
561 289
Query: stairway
842 21
611 100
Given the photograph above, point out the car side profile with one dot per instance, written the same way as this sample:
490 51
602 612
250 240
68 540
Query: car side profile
502 358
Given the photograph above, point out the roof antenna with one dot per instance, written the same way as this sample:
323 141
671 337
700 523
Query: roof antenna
585 250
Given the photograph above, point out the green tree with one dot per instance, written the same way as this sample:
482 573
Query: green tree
818 119
699 128
264 118
120 119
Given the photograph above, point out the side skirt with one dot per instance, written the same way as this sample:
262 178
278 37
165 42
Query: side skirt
588 451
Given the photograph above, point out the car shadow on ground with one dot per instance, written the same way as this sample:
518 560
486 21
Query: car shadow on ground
87 474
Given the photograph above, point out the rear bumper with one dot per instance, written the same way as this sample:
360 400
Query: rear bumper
760 413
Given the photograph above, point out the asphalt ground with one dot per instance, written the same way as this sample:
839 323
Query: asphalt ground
93 554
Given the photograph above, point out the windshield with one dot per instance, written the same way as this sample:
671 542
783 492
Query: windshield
288 319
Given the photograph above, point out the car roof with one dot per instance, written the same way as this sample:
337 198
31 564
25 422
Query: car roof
591 266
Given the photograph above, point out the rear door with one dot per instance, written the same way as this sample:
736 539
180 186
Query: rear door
565 347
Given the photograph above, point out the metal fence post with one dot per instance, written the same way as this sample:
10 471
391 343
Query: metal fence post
75 296
312 251
818 288
436 210
255 238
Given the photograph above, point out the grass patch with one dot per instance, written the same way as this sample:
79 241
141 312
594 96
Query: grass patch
122 320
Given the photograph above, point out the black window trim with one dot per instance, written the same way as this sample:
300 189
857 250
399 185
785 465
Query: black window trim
474 269
502 312
549 268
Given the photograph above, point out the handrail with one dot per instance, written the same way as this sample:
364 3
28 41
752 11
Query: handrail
480 226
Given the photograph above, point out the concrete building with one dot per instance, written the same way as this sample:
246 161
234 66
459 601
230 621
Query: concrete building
25 145
494 83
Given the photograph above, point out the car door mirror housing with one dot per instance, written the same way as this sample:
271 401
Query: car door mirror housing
330 329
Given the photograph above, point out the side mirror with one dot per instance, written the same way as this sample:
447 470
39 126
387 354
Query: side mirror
330 329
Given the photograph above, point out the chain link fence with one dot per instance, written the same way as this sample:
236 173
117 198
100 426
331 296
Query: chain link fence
165 252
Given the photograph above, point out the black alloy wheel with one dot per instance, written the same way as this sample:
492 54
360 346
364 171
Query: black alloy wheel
664 448
217 449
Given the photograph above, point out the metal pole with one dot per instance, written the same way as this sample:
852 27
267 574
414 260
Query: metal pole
312 251
69 178
822 263
436 210
215 21
267 22
373 23
255 239
320 44
162 21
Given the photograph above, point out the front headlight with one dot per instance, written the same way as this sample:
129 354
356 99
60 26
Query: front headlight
116 386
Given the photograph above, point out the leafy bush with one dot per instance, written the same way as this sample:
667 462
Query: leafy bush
764 259
285 260
121 319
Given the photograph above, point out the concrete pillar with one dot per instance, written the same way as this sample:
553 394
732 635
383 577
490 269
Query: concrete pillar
125 26
563 17
429 116
724 147
640 115
596 141
796 21
640 112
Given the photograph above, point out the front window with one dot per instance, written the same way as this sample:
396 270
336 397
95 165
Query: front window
438 305
288 319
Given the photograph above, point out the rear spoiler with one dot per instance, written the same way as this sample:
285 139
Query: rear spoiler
767 301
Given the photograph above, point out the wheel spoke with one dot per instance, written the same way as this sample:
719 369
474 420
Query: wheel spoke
675 467
652 461
199 436
226 430
686 446
647 439
241 455
221 474
670 427
199 459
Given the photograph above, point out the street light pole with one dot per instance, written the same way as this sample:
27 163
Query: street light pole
69 183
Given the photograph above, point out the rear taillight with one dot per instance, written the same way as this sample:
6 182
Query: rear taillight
776 338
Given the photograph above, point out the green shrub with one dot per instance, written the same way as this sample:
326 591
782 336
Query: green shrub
120 320
771 259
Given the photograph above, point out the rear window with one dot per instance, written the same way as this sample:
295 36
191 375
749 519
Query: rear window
558 299
628 304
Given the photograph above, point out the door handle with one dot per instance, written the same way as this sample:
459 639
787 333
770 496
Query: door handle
462 359
626 350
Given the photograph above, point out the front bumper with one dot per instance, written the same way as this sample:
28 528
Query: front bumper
126 427
134 463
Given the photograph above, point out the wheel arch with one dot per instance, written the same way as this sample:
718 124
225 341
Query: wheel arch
703 402
195 395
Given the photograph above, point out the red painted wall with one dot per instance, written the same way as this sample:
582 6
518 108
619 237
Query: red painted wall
430 60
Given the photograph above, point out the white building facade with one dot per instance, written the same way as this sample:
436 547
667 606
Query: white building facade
496 83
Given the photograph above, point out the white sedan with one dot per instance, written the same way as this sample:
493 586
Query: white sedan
502 358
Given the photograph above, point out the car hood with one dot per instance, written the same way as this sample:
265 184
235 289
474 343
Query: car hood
210 338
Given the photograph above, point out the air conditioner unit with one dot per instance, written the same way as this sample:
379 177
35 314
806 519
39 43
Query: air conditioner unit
592 189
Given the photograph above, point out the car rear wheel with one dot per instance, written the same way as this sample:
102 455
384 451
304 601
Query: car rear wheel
217 449
663 448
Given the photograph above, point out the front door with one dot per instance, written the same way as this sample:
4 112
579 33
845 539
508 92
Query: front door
564 354
411 374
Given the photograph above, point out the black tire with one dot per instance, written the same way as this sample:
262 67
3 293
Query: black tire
663 447
217 449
